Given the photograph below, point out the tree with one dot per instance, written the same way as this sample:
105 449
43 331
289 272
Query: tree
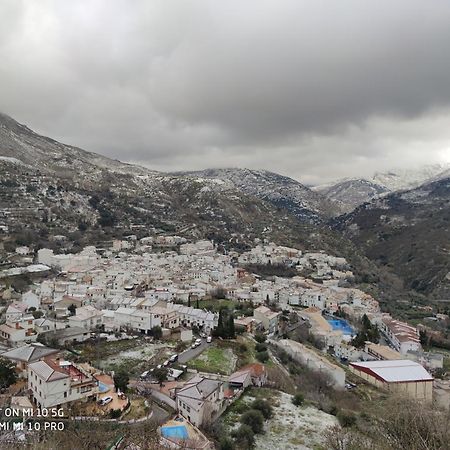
226 443
260 347
157 332
230 329
245 437
72 309
8 373
298 399
263 406
121 380
254 419
262 356
160 374
37 314
260 338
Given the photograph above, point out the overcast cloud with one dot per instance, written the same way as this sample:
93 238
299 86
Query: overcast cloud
317 90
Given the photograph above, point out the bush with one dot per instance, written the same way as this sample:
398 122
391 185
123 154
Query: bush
260 347
263 406
226 444
244 436
298 399
260 338
115 413
240 407
262 356
346 419
254 419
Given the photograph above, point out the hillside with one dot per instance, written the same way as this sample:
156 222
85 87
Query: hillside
407 232
48 188
281 191
350 193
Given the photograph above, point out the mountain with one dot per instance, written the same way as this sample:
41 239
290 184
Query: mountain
19 144
48 188
281 191
352 192
408 232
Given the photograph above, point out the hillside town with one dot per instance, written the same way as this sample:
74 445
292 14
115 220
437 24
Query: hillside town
179 332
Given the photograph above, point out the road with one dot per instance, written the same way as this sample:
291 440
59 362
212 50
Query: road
192 353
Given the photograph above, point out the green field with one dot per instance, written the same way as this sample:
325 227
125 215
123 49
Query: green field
215 360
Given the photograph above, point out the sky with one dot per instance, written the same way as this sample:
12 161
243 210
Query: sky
316 90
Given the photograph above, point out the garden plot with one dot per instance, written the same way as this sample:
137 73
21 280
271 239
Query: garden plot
215 360
137 359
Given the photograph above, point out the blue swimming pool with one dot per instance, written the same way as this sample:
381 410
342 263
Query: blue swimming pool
102 387
177 432
342 325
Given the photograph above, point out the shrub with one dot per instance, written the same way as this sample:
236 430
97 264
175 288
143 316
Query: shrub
254 419
260 338
263 406
346 419
244 436
115 413
262 356
260 347
226 444
298 399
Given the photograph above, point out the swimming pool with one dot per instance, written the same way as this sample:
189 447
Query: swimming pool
342 325
177 432
102 387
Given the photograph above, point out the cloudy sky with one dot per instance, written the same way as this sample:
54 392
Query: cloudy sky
317 90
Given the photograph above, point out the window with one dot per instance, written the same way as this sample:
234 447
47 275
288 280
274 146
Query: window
65 394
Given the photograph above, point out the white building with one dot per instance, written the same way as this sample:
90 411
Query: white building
200 400
54 383
86 317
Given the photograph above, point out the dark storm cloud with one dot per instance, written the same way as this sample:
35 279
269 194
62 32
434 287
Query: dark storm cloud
314 89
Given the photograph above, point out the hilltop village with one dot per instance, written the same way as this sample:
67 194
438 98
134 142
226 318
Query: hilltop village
183 334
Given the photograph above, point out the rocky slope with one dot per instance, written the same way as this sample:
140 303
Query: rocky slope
281 191
409 233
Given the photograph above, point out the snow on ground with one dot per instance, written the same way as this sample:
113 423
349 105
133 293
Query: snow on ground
294 428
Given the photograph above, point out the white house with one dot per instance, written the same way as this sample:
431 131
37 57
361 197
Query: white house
86 317
54 383
200 400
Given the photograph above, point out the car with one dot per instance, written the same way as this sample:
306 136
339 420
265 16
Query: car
209 339
194 345
105 400
159 366
173 358
202 335
166 363
144 375
198 341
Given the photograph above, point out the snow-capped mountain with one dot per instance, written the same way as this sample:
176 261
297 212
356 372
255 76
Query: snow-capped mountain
283 192
352 192
400 179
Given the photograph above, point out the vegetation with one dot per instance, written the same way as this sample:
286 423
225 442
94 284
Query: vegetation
298 399
262 356
225 325
157 332
264 406
121 380
254 419
368 332
8 375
